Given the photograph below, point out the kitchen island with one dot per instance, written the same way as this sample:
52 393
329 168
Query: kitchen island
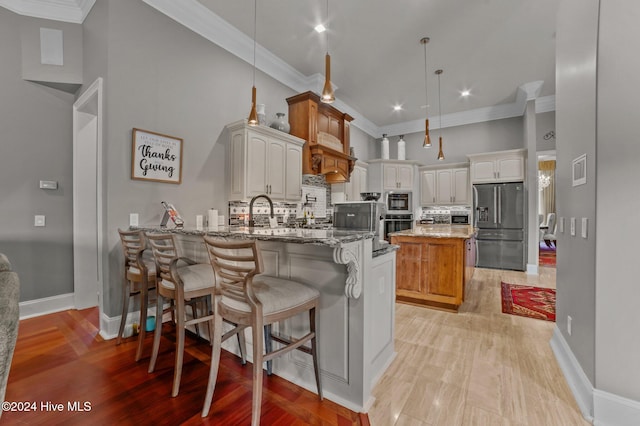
357 296
433 265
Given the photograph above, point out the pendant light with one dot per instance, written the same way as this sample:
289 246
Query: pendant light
253 115
327 91
440 153
427 139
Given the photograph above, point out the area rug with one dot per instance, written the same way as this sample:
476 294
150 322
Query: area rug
528 301
547 255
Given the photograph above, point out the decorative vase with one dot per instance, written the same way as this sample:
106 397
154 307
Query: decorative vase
280 123
262 117
385 147
401 148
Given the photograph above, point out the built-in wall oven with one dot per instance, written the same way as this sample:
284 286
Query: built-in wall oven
398 202
397 222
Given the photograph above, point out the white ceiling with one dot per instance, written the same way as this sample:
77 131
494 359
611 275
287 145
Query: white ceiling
503 51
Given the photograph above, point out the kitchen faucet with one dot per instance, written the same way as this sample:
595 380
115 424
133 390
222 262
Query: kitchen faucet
251 222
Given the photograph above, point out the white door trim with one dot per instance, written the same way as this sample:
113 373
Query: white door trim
90 102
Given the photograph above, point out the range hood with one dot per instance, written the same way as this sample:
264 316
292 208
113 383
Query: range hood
326 132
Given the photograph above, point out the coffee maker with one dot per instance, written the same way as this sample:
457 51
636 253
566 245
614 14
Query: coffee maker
365 216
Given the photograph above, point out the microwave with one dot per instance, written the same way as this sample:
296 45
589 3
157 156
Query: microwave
398 202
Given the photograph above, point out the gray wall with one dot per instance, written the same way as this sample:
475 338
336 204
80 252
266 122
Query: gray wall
576 49
617 290
36 144
160 76
545 122
457 142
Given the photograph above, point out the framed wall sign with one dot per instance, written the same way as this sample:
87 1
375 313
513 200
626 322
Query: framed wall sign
156 157
579 170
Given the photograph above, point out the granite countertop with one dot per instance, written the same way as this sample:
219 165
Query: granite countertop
437 231
326 237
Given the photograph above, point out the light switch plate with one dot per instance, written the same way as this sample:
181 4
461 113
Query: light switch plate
39 220
585 222
48 184
561 225
573 226
133 219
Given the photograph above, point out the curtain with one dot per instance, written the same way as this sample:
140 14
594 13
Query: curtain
547 194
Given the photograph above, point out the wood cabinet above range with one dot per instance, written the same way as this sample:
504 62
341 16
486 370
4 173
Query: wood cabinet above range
326 132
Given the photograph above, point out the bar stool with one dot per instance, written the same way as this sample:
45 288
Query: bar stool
139 279
254 301
181 280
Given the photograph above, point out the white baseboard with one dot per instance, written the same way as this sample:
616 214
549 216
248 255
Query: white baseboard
580 385
46 305
614 410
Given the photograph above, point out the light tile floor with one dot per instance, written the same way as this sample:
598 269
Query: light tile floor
476 367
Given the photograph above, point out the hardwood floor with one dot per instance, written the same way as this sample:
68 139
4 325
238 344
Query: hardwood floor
477 367
61 359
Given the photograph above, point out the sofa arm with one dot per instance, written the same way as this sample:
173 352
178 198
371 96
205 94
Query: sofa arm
9 319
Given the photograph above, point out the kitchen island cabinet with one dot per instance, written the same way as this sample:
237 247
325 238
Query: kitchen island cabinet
357 303
433 265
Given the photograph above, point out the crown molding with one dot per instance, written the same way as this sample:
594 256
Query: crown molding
73 11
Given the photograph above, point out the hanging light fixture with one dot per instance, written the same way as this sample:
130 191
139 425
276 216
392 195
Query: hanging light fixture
253 115
427 139
327 91
440 153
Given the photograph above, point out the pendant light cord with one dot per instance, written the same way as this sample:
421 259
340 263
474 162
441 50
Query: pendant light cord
255 23
426 90
439 108
327 27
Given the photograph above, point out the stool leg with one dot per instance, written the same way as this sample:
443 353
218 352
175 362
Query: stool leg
144 298
243 346
268 347
177 369
257 329
157 333
314 348
215 361
125 310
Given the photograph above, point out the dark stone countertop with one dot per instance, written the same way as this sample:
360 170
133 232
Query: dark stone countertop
325 237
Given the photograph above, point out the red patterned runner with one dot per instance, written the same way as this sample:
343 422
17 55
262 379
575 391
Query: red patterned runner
529 301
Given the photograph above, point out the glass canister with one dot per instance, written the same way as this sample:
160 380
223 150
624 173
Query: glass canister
280 123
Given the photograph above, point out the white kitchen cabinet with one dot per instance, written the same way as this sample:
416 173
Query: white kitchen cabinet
444 186
392 175
504 166
397 176
427 187
452 186
350 191
264 161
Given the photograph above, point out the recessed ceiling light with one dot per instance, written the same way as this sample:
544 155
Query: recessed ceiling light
465 93
397 107
320 28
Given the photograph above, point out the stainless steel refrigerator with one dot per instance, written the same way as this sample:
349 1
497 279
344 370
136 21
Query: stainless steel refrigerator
500 218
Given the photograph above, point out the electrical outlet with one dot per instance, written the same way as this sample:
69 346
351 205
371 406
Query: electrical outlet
573 226
584 227
39 220
569 325
133 219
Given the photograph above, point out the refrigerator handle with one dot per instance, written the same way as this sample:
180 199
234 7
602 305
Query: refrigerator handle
475 241
499 205
475 205
495 204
